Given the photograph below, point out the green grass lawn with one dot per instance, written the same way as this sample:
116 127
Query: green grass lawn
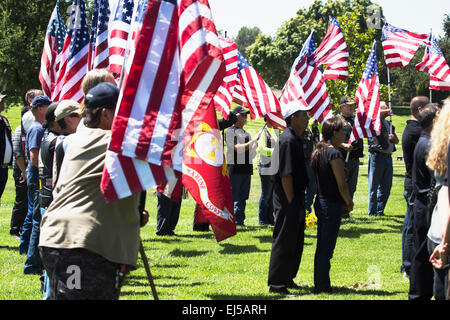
193 266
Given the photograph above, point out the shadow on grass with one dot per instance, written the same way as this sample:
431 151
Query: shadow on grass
307 290
10 248
187 253
237 249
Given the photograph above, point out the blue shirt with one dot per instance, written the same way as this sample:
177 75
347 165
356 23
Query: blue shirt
33 141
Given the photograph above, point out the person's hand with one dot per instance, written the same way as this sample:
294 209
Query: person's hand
347 147
22 178
349 207
144 218
439 257
392 137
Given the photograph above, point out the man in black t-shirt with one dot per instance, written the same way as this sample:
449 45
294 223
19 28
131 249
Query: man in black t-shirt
290 183
410 136
241 150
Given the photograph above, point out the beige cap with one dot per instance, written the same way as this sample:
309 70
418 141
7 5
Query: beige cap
66 108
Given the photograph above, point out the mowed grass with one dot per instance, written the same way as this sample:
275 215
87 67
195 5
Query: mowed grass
193 266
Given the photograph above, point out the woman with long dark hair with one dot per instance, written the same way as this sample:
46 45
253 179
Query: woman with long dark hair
333 198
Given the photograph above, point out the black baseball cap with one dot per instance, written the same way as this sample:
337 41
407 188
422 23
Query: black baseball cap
41 101
346 100
240 110
50 114
103 95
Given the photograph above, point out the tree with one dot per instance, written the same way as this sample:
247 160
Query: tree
246 37
23 25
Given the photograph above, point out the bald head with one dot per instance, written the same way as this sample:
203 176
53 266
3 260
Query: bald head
418 103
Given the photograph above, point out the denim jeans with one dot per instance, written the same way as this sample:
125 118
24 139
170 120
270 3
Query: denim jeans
380 182
311 189
240 189
329 216
33 263
28 222
407 233
266 199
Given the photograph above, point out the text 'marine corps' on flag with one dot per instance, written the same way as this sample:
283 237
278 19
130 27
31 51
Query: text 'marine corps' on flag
119 29
306 84
434 63
53 45
98 49
367 120
399 45
262 102
176 68
224 95
333 52
74 56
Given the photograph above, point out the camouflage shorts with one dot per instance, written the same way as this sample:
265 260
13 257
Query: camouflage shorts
79 274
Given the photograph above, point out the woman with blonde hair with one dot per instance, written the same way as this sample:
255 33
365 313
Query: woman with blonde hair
437 161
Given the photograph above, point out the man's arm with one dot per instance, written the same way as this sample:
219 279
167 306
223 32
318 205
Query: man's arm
20 161
34 157
287 183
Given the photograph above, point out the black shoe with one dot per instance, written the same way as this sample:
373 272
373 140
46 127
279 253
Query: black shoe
15 233
293 285
282 290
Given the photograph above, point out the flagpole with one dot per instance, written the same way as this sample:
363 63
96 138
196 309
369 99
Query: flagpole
389 92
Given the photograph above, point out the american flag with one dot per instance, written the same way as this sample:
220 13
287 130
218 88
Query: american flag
434 63
119 29
176 69
260 99
74 56
53 45
333 52
400 45
306 84
224 95
367 120
98 49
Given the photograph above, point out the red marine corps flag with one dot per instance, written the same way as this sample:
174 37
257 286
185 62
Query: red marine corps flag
205 176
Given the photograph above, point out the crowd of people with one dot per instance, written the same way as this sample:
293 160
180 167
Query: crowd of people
59 214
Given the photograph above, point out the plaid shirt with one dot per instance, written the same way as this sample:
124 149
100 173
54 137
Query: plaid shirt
18 140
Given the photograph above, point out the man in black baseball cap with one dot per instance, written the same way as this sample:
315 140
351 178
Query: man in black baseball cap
79 227
100 103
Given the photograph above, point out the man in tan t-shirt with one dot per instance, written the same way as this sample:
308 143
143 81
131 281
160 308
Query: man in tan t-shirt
86 244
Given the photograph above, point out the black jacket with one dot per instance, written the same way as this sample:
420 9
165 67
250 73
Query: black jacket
5 128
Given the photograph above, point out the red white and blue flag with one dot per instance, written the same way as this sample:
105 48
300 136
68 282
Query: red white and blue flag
434 63
224 95
176 68
98 49
306 84
260 99
74 56
399 45
367 120
53 45
333 53
119 29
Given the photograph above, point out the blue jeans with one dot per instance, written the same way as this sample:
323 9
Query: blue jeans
407 233
266 199
311 189
240 189
33 263
380 182
329 216
28 222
